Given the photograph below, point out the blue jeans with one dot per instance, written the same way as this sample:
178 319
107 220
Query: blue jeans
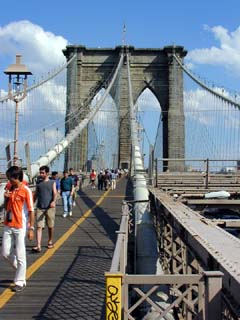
67 201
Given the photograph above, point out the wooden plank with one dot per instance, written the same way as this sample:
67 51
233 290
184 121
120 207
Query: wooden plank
213 201
227 223
163 279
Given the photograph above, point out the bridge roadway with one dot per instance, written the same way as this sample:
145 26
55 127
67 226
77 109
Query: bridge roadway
67 282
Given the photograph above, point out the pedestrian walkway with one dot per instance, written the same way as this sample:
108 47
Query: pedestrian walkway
67 282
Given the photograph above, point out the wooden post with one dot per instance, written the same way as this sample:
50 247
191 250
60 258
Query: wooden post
156 173
213 294
27 154
207 173
8 155
113 295
151 165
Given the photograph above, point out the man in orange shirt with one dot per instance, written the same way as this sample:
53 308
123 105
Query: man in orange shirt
19 206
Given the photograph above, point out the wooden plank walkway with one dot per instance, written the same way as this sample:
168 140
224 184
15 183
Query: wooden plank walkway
68 282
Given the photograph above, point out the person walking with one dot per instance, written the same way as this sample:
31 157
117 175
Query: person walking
46 196
66 185
92 179
113 179
56 179
75 181
106 179
100 180
19 207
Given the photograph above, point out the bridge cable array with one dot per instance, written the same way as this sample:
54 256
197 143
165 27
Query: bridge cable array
211 121
204 86
53 153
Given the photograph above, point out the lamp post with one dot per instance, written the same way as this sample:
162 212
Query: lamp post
113 160
44 140
17 91
57 137
101 152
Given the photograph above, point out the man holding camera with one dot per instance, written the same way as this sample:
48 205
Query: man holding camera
19 207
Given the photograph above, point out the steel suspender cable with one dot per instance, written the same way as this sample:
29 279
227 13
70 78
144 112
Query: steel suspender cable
203 85
52 154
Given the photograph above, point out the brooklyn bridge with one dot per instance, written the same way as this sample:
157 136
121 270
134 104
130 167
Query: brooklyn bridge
165 243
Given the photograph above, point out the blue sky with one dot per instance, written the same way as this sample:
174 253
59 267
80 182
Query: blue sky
39 30
151 23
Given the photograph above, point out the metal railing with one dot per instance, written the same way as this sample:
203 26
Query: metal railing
118 268
119 261
178 296
187 296
198 172
180 254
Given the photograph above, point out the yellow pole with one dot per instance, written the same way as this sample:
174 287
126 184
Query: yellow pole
113 296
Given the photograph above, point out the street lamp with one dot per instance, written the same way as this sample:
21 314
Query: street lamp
44 140
17 91
114 160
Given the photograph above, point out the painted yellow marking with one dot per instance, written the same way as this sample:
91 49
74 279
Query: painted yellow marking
8 293
5 296
113 295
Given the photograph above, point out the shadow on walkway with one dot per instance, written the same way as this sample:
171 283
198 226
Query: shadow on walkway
81 292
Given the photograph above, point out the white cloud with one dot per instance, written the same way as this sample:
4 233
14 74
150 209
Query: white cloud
107 114
4 141
189 65
54 97
147 101
3 93
193 102
203 107
226 55
42 52
41 49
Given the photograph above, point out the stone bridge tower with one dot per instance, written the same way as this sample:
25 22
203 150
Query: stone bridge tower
155 69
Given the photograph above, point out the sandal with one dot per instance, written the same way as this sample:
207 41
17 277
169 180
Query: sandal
50 246
36 249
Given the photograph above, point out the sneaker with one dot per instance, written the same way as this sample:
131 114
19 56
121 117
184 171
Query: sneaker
18 288
74 203
70 213
64 215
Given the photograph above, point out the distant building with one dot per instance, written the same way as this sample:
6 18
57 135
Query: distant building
238 165
228 170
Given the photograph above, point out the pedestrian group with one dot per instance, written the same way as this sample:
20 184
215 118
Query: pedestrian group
19 210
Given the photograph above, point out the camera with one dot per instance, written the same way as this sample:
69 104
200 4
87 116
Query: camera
9 216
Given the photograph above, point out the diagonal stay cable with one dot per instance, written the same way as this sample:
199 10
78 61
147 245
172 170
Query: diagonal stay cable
52 154
204 86
40 83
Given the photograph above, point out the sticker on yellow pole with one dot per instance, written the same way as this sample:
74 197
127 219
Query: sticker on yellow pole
113 296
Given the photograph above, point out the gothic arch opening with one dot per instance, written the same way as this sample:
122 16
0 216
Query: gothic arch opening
103 134
149 118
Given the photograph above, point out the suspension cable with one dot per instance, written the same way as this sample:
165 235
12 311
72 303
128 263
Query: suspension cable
203 85
40 83
74 114
63 144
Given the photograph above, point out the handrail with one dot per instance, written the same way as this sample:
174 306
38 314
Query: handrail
205 169
208 283
119 250
193 159
114 278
